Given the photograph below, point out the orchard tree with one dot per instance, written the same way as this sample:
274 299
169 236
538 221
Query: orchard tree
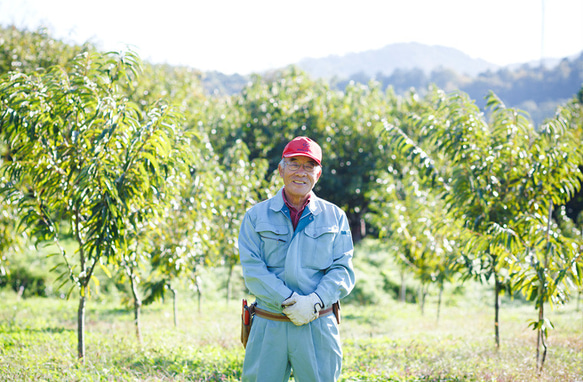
153 243
504 178
24 51
553 256
414 219
28 51
181 244
353 157
242 183
458 157
85 161
12 239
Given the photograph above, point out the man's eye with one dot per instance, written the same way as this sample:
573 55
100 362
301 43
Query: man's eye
294 166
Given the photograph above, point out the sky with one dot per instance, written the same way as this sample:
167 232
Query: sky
245 36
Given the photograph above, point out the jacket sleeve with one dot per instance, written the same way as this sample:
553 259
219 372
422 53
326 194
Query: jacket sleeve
339 278
262 283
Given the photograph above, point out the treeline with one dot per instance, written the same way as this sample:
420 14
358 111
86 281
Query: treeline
135 170
537 90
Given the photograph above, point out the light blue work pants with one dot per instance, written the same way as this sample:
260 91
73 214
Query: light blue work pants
274 348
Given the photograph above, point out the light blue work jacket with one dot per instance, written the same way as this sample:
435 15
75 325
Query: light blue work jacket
316 257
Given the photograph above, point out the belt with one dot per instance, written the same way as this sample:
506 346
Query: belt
281 317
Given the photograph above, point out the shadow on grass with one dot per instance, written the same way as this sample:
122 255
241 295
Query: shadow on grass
18 329
115 312
200 368
358 318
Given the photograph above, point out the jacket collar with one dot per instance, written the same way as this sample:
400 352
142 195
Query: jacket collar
278 204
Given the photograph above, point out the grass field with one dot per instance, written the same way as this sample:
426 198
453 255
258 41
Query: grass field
388 342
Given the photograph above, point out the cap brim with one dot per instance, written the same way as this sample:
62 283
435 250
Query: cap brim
302 155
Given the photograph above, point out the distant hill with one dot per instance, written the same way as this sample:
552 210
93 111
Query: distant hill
535 87
404 56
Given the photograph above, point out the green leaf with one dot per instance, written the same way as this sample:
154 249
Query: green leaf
105 270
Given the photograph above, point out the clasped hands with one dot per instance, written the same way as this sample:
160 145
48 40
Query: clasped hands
302 309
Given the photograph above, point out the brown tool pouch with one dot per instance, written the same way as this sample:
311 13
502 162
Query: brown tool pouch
336 311
246 321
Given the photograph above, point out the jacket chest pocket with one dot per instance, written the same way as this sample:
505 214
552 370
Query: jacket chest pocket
274 242
319 244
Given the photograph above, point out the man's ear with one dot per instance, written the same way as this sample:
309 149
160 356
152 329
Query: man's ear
319 174
280 169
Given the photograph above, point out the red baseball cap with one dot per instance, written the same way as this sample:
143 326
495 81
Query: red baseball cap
303 146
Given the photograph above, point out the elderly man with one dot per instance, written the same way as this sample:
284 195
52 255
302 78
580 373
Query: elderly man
296 253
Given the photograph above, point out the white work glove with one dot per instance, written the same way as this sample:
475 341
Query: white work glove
302 309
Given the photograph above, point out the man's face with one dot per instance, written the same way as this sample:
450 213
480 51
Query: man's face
298 183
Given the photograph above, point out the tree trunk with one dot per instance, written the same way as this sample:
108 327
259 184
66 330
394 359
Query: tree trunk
82 290
403 289
422 298
81 325
543 293
439 301
229 278
174 298
137 305
357 226
199 301
20 292
497 288
199 294
541 338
